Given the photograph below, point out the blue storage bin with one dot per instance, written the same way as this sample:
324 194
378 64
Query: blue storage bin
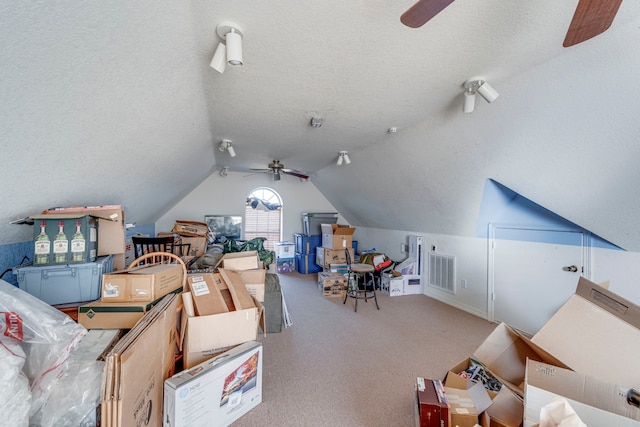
63 284
307 244
306 264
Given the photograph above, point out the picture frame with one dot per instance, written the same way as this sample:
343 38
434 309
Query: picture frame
224 227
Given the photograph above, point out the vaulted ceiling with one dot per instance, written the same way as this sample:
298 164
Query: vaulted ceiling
115 102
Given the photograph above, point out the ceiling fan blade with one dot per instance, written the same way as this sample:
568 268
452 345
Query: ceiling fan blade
418 14
592 17
295 173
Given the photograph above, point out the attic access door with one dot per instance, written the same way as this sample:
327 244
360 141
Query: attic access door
532 272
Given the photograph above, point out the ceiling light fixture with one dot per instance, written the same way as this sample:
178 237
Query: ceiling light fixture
231 53
474 86
225 144
343 157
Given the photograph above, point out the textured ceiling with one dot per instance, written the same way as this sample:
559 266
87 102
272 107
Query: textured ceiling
114 102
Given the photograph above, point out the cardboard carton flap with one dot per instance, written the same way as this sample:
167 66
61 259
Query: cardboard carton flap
241 297
592 339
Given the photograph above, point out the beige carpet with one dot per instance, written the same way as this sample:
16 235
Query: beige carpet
337 367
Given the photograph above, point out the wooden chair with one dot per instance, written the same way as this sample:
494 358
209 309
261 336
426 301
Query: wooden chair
145 245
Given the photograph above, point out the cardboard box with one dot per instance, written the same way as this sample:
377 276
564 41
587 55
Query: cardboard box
327 256
198 245
431 407
337 236
205 336
596 402
332 285
595 332
136 368
392 285
146 282
247 260
254 281
111 229
191 228
466 405
114 315
74 250
216 392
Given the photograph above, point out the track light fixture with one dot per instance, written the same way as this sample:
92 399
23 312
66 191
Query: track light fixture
343 157
231 52
474 86
225 144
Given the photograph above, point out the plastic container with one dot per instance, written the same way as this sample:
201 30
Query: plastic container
284 250
63 284
307 244
311 221
306 264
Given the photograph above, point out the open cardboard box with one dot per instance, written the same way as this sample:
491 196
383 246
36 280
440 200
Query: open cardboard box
337 236
596 402
235 318
596 332
246 260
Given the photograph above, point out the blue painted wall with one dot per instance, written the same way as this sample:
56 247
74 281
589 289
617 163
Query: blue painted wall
501 205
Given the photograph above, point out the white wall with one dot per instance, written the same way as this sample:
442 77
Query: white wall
219 195
620 267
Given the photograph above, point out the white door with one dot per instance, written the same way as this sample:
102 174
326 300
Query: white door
531 278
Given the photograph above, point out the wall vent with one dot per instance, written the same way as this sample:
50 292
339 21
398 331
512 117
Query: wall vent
442 272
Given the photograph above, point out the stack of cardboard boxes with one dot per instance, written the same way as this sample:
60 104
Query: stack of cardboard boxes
337 242
586 354
222 309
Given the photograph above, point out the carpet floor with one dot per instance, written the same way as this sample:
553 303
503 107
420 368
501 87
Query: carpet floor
337 367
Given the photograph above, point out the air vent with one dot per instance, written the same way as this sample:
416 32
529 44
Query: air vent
442 272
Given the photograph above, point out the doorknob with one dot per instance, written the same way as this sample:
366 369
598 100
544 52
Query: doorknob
571 268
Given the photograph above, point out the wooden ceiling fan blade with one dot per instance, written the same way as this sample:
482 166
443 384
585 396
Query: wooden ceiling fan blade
421 12
592 17
295 173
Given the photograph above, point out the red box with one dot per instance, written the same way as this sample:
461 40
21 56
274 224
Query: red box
432 407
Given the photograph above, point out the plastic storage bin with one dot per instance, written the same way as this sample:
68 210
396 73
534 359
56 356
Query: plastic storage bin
311 221
284 250
306 264
307 244
63 284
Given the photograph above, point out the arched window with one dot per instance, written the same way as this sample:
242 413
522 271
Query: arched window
263 216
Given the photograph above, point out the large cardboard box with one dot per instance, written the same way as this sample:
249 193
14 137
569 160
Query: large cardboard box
431 405
205 336
596 402
146 282
596 332
392 285
337 236
136 368
206 291
327 256
216 392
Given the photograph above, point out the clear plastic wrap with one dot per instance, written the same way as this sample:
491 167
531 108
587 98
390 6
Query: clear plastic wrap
46 336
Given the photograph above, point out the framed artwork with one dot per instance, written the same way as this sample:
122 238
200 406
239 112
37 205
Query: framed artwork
225 227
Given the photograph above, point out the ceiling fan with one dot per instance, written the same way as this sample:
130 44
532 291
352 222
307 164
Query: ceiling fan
276 168
592 17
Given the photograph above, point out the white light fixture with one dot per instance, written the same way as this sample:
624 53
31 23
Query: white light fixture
224 171
219 61
225 144
231 53
477 85
343 157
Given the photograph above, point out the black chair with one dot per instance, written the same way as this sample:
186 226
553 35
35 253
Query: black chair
146 245
361 282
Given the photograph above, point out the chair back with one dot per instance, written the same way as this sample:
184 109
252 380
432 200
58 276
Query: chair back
347 257
145 245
